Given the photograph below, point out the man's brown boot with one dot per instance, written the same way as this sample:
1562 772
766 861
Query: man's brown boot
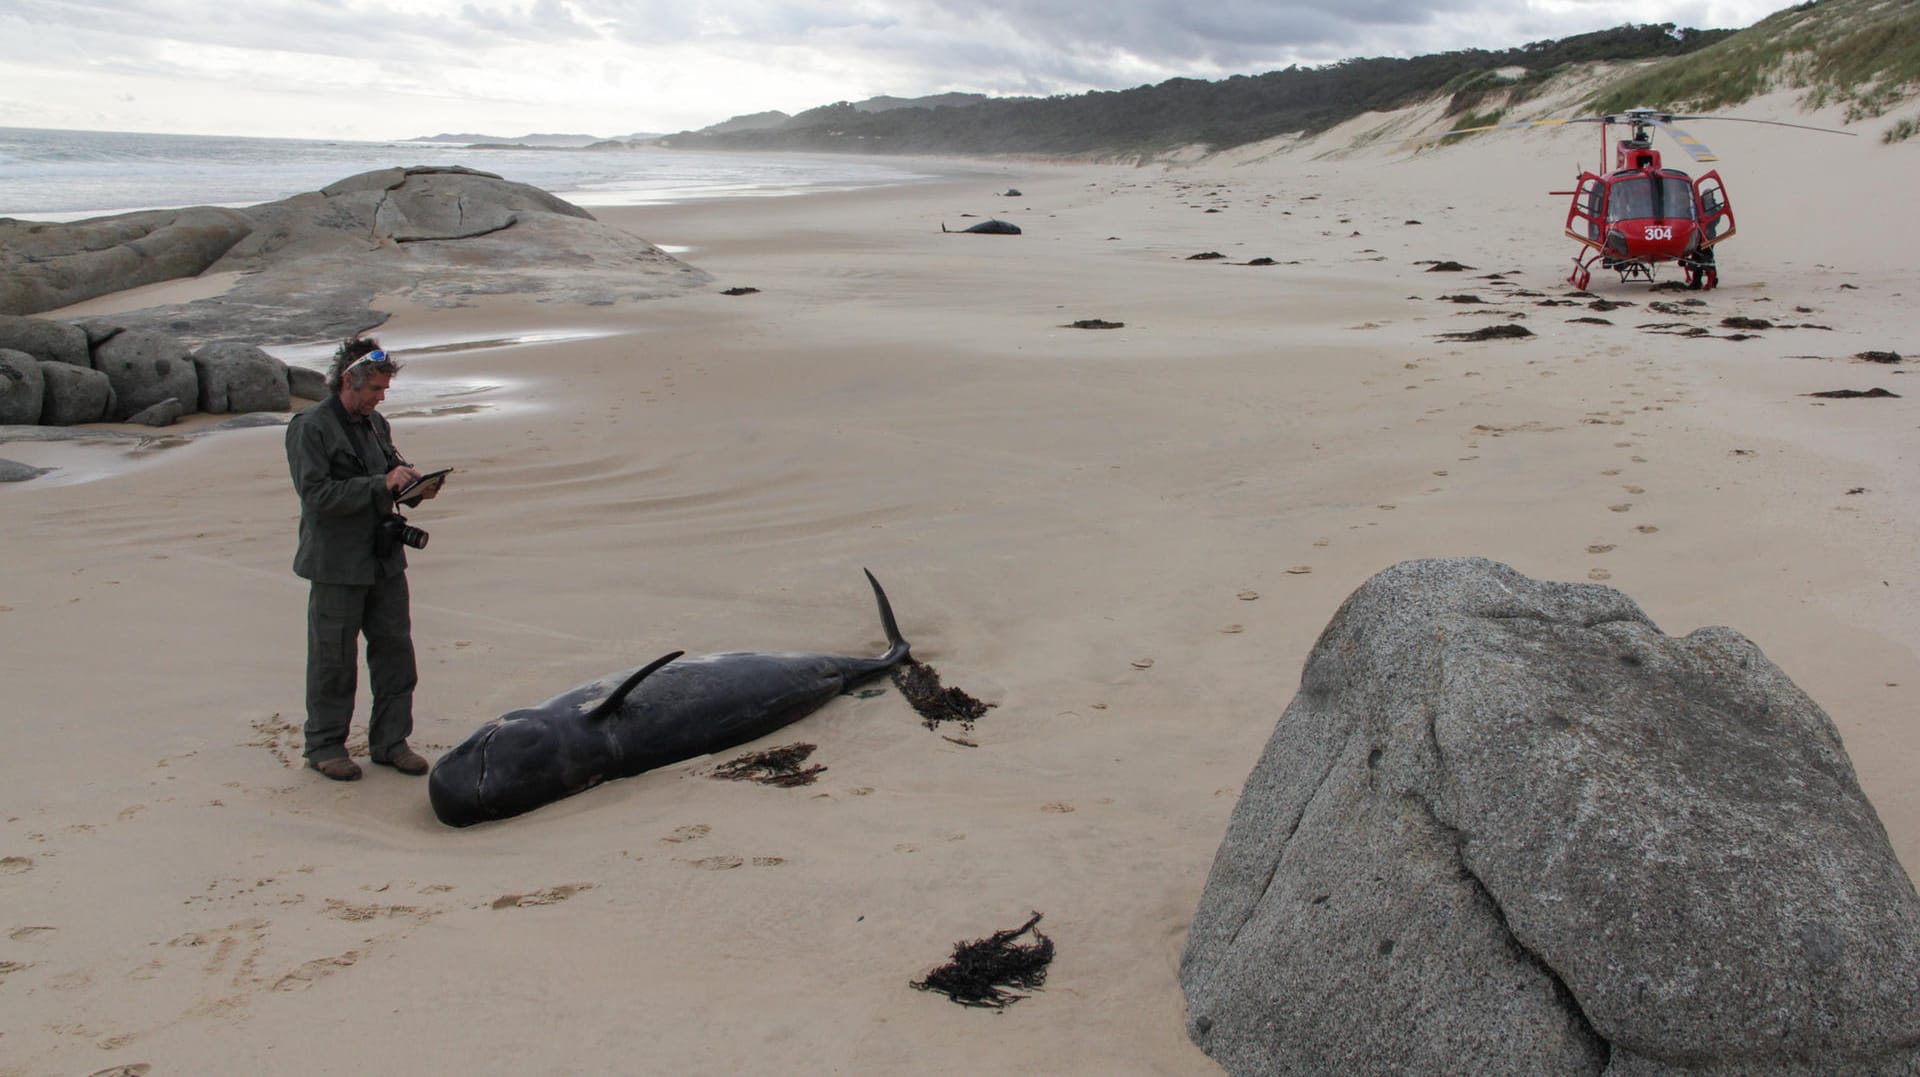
406 761
340 769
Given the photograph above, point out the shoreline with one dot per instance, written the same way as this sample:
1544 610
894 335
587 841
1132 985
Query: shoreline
1049 508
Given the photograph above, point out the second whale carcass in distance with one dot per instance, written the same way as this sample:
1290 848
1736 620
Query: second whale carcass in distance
669 710
994 227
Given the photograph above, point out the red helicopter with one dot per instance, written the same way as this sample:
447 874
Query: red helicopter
1642 213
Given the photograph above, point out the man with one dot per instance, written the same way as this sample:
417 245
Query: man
346 471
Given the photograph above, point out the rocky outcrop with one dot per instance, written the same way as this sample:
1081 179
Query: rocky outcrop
145 368
45 339
1509 827
237 377
306 267
306 384
46 266
15 471
22 388
160 413
75 395
125 373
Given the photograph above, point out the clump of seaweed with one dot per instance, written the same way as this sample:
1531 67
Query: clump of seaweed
1491 332
1857 394
981 969
775 766
920 683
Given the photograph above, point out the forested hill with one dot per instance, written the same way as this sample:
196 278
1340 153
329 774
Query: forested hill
1184 112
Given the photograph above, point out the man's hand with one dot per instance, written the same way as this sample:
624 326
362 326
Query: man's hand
399 477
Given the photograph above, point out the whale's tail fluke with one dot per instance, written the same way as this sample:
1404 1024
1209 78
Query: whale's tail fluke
619 696
943 228
897 646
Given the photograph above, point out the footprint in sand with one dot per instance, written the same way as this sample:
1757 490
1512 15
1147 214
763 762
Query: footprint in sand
32 931
687 833
1646 529
1057 807
768 861
1620 508
354 913
552 895
1599 574
717 863
134 1069
1636 490
14 865
1600 547
312 972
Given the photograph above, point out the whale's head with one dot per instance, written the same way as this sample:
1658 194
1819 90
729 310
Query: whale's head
511 765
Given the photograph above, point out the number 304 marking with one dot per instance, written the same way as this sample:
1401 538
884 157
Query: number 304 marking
1659 231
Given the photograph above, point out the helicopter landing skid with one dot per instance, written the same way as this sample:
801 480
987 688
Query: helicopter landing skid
1628 268
1700 271
1580 275
1632 270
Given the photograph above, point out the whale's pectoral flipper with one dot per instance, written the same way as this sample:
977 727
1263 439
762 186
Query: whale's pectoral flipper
619 696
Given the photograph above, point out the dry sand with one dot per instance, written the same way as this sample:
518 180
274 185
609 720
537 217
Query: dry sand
1051 510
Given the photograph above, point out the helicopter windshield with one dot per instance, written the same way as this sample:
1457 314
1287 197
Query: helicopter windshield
1638 197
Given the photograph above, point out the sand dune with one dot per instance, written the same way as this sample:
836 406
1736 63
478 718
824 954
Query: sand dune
1126 539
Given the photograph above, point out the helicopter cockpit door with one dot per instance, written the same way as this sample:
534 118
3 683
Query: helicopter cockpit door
1716 213
1585 216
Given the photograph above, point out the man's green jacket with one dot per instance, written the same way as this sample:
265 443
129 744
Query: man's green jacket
339 466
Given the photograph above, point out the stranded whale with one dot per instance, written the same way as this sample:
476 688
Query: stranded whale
669 710
994 227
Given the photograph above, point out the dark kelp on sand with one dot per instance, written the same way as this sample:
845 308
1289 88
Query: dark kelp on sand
981 970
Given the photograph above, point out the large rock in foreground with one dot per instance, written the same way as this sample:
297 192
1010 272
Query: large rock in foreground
1509 827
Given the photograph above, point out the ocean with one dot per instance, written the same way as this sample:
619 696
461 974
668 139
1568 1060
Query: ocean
48 175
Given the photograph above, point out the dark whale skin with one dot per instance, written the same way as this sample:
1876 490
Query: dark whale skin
672 709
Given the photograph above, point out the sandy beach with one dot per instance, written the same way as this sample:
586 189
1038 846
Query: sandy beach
1126 539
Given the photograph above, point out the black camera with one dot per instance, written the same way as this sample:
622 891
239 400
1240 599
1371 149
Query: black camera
395 531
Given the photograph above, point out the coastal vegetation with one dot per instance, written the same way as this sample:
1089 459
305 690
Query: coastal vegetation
1864 54
1861 53
1182 112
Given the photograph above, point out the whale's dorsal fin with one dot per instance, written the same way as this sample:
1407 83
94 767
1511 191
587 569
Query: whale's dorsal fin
612 703
897 647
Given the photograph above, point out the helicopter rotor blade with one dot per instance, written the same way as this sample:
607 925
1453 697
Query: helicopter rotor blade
1770 123
1504 127
1695 148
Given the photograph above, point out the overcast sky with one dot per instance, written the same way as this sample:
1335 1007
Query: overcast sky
379 69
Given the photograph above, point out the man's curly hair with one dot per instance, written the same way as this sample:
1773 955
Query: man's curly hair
343 357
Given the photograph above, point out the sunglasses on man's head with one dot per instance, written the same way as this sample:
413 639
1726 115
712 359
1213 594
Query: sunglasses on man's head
374 356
